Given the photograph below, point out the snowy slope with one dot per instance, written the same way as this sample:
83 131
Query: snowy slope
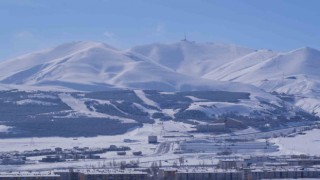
303 61
91 66
296 73
181 66
192 58
192 80
239 65
80 107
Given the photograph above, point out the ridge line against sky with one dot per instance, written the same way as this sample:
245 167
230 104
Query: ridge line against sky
281 25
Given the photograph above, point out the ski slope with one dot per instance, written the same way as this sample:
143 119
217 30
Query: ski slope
78 106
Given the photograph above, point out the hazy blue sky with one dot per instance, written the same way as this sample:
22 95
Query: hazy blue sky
28 25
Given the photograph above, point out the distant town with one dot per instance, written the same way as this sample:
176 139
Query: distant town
227 157
227 168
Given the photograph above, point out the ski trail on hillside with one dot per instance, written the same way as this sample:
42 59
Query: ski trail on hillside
79 106
144 98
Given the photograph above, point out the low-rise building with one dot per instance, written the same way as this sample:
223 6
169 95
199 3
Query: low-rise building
231 163
121 153
213 127
202 173
284 172
208 173
137 153
303 162
12 161
110 174
52 158
152 139
29 176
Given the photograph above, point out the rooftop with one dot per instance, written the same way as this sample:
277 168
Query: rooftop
28 174
108 171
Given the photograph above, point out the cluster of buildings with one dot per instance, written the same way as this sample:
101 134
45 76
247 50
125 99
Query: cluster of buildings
168 173
248 168
256 173
195 173
58 154
27 175
78 174
282 173
235 168
269 161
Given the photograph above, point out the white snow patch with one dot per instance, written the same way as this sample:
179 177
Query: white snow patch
247 131
30 101
144 109
144 98
42 96
4 128
219 108
195 99
300 144
170 112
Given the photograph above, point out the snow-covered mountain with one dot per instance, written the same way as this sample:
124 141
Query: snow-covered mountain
92 66
239 65
87 66
181 66
186 81
192 58
295 73
267 65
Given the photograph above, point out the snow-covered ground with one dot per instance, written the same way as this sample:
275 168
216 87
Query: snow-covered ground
300 144
138 134
140 143
164 151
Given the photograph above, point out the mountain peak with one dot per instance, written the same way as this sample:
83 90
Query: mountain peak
306 49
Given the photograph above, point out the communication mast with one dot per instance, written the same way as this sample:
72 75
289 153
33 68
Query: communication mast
185 37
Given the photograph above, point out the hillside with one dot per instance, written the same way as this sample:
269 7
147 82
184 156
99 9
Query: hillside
91 66
295 73
73 114
95 84
192 58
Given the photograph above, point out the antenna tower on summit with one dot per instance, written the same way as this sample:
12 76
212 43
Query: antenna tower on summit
185 37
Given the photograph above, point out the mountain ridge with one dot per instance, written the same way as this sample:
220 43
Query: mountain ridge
96 64
180 66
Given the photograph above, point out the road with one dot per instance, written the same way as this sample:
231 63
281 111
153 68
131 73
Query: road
164 148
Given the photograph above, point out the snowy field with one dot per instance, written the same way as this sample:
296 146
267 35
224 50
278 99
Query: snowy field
162 152
151 152
301 144
138 134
